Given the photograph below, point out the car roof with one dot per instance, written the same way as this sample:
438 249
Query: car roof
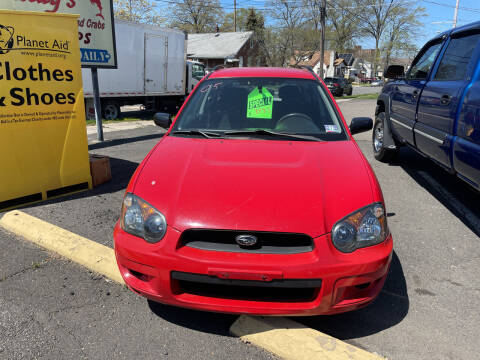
471 26
263 72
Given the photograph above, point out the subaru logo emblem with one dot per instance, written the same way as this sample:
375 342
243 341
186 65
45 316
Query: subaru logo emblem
246 240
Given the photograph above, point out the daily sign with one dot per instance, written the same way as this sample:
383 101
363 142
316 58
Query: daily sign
96 31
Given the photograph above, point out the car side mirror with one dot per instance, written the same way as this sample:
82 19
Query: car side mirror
360 124
395 72
162 119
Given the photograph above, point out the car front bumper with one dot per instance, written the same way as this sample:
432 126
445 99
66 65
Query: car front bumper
173 274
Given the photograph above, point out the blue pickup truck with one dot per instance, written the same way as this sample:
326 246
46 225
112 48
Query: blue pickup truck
435 107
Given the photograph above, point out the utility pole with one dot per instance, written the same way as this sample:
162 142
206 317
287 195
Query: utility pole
235 15
455 14
323 11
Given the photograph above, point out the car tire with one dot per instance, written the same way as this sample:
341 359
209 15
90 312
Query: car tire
111 111
380 152
349 93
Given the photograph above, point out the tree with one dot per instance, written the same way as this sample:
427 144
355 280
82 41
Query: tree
344 24
242 15
139 11
256 23
402 28
374 18
288 35
373 15
196 16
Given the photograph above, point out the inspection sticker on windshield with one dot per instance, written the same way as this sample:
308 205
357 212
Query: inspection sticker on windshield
259 104
331 128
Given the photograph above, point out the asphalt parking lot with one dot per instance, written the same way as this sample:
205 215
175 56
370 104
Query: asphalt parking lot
429 308
360 90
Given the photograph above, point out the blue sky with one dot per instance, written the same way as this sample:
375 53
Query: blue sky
443 10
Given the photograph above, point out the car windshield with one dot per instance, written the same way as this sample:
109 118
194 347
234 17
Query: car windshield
260 107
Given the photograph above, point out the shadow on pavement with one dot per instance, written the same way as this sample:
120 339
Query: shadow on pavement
138 114
456 195
386 311
122 170
121 141
212 323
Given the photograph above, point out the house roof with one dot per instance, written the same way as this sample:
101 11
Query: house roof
313 58
219 45
348 57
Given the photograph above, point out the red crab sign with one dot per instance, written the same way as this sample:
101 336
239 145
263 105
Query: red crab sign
96 32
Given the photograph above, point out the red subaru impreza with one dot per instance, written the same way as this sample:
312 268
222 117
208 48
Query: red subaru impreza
257 200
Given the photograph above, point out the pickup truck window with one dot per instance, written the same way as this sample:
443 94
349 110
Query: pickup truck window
421 67
456 58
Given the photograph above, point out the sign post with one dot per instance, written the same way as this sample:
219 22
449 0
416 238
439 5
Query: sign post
97 105
96 34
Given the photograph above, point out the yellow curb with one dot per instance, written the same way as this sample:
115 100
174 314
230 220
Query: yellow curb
281 336
92 255
293 341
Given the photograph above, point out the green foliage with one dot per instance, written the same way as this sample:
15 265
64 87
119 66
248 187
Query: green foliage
139 11
242 15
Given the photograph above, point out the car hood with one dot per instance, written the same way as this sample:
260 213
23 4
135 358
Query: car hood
262 185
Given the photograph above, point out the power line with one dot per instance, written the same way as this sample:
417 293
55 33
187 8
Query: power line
475 10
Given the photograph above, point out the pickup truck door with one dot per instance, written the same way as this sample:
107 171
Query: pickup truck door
407 91
442 96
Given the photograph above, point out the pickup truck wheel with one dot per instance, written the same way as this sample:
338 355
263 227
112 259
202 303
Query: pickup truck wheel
380 152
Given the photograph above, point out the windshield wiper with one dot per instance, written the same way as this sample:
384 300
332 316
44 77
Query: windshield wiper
206 134
272 133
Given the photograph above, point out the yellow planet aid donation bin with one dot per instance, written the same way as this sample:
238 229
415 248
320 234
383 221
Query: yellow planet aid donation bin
43 141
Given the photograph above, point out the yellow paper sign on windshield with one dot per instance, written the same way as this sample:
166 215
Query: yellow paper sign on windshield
260 104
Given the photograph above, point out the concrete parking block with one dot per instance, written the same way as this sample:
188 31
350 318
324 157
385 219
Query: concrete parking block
292 341
92 255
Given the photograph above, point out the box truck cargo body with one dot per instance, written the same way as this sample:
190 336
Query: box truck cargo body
152 71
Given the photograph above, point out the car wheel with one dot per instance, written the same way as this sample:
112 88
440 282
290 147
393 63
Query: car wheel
111 111
380 152
350 92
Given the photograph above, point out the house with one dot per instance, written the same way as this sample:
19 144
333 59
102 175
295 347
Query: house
361 69
348 61
333 65
368 56
233 48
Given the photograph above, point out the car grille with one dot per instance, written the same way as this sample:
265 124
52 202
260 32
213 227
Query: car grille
267 243
277 290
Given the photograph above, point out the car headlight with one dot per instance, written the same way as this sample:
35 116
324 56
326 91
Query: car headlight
364 227
141 219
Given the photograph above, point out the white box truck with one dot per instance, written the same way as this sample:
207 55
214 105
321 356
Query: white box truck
152 71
